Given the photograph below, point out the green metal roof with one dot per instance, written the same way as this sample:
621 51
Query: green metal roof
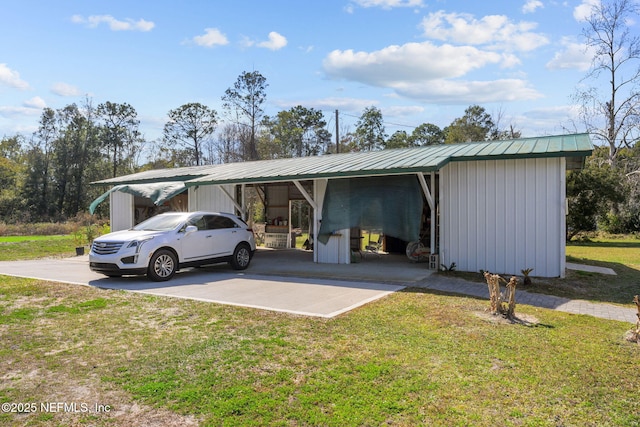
160 175
385 162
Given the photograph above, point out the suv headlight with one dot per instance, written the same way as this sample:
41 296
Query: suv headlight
138 244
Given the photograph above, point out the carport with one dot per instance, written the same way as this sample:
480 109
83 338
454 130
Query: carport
499 206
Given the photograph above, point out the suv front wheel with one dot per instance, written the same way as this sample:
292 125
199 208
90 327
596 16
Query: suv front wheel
163 266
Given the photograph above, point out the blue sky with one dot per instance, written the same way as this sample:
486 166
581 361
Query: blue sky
416 60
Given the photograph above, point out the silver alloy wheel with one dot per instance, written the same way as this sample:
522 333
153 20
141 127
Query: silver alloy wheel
243 257
164 266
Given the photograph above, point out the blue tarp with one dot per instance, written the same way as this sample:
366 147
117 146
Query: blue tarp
391 204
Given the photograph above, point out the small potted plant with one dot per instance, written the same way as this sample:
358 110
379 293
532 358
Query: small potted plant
79 240
83 236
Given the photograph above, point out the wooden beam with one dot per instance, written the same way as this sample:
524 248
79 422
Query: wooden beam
305 194
233 200
425 190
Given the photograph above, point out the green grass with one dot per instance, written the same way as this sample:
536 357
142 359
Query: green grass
32 247
413 358
622 254
14 239
624 251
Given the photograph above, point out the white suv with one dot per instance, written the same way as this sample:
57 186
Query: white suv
163 244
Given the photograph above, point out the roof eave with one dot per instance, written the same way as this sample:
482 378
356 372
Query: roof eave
584 153
306 177
118 181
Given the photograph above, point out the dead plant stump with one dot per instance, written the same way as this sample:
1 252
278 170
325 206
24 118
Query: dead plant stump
499 302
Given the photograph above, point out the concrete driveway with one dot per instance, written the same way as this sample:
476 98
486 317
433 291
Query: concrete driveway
286 281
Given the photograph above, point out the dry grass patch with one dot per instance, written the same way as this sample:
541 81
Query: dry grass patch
60 341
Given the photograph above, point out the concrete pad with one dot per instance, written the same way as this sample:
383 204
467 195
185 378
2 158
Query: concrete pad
590 268
311 296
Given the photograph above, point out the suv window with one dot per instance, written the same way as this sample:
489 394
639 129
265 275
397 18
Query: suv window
219 222
198 221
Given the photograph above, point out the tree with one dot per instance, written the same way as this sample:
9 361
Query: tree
502 134
591 192
624 217
229 142
191 127
119 132
427 134
86 153
399 139
474 126
11 170
244 102
612 117
37 191
370 134
62 157
300 132
70 160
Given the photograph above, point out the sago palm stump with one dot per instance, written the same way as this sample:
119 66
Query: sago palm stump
499 302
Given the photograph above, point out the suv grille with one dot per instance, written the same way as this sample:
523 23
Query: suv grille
106 248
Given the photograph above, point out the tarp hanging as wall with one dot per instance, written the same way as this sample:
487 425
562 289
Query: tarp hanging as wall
158 192
391 204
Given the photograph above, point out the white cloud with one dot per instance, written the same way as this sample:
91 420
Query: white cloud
211 37
402 111
35 102
276 41
466 92
573 55
411 71
65 89
530 6
355 105
114 24
493 31
412 62
18 112
12 78
585 9
556 120
389 4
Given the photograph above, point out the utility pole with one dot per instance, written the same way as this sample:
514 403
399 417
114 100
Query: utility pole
337 135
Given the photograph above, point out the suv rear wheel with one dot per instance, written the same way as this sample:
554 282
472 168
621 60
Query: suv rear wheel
241 257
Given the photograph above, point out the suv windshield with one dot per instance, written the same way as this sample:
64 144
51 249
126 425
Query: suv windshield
160 223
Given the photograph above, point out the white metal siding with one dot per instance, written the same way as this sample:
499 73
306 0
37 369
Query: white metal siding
211 198
504 216
121 210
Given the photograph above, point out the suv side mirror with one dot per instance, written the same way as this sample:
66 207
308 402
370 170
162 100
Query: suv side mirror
190 229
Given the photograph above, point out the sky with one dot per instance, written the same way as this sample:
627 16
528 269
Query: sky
418 61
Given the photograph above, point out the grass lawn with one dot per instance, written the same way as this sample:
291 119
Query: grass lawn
413 358
622 254
32 247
